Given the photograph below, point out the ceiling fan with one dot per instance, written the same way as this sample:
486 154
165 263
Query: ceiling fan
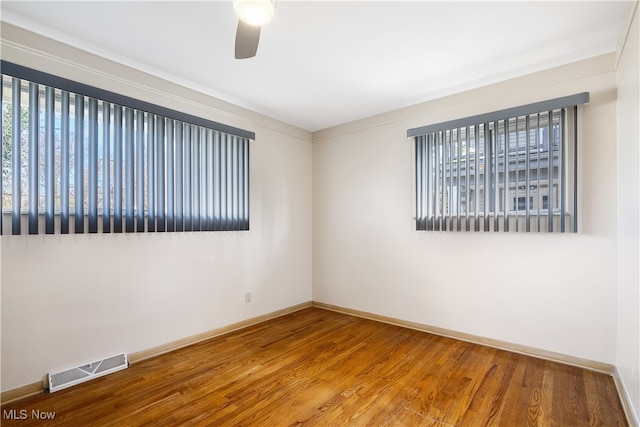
252 14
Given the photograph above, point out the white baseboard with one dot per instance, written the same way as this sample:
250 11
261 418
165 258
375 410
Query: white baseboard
39 387
185 342
22 392
629 413
592 365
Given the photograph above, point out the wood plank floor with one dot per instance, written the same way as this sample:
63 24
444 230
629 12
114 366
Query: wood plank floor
320 368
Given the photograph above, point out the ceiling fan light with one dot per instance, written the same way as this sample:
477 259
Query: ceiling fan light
254 12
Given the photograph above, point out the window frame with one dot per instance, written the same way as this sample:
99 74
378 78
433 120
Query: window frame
485 146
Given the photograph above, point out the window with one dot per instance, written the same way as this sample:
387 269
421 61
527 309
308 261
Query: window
78 158
521 203
510 170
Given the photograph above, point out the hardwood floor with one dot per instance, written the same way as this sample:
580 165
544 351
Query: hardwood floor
321 368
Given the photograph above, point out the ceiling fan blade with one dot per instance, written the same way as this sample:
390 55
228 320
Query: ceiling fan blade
247 38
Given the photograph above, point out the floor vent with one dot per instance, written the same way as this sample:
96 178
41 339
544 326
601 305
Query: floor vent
64 378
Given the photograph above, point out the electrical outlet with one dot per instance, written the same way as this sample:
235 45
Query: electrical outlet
247 297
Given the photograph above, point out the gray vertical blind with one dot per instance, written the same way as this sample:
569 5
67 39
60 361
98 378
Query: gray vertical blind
34 158
93 166
78 170
72 160
510 170
129 169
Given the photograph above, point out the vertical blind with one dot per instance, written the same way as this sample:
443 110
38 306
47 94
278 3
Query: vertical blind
77 162
510 170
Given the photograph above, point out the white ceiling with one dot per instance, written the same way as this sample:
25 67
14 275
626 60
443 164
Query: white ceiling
324 63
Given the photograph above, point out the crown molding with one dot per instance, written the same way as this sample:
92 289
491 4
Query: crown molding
526 88
39 52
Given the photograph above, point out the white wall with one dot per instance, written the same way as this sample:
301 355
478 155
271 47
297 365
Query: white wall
628 113
69 299
551 292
